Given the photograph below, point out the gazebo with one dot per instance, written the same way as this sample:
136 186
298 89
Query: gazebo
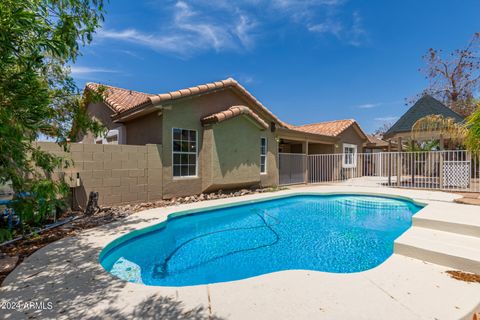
425 106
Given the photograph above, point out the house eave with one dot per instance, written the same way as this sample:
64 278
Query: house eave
285 133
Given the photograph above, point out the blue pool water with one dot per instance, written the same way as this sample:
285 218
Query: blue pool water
338 233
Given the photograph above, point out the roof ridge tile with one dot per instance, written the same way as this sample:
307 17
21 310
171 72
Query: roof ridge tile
232 112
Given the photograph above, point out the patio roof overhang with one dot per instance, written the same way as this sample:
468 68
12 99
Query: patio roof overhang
290 134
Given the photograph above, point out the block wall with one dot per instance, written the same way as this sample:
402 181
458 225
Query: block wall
119 173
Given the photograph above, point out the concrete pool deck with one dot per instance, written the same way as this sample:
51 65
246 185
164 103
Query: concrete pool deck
67 274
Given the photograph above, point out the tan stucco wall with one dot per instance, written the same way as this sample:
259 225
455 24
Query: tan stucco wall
144 130
187 115
101 112
271 178
235 154
119 173
317 148
350 136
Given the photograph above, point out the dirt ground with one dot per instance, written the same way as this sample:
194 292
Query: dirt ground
472 198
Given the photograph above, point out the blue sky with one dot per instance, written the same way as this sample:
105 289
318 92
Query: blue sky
307 61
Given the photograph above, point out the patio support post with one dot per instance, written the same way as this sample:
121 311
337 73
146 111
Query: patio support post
412 163
389 162
399 161
305 161
442 148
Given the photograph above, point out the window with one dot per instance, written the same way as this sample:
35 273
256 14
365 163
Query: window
263 155
349 156
184 153
113 136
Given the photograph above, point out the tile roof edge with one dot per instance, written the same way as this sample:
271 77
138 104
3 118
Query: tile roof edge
112 104
89 86
235 111
323 122
157 99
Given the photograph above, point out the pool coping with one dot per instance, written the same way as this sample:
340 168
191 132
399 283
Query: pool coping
398 288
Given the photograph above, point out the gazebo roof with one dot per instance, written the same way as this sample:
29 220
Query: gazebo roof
426 105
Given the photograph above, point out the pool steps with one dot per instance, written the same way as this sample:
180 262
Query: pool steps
447 217
444 237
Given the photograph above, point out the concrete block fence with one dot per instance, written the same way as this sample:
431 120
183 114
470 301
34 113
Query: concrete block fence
119 173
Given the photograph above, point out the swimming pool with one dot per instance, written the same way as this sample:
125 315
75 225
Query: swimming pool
331 233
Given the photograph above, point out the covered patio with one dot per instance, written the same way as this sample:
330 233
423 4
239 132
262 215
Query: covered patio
294 148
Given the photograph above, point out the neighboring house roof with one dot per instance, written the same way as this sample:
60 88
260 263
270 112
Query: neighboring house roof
122 104
234 112
329 128
426 105
376 142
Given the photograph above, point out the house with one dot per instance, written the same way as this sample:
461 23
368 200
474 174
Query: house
426 105
375 144
214 136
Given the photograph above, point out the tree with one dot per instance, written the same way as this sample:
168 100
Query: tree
38 40
454 80
472 140
380 131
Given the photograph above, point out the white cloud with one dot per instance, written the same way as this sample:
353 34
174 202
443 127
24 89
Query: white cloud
303 5
333 27
350 31
167 43
82 70
243 29
187 27
386 119
369 105
131 54
357 35
245 78
189 31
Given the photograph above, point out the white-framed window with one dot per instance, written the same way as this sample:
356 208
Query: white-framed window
184 152
263 155
349 155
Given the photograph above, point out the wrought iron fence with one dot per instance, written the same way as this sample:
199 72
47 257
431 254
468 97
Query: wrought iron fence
441 170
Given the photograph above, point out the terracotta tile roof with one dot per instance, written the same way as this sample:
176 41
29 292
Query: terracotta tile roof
234 112
329 128
124 101
121 100
376 141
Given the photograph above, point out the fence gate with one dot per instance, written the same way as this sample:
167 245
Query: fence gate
292 168
457 169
